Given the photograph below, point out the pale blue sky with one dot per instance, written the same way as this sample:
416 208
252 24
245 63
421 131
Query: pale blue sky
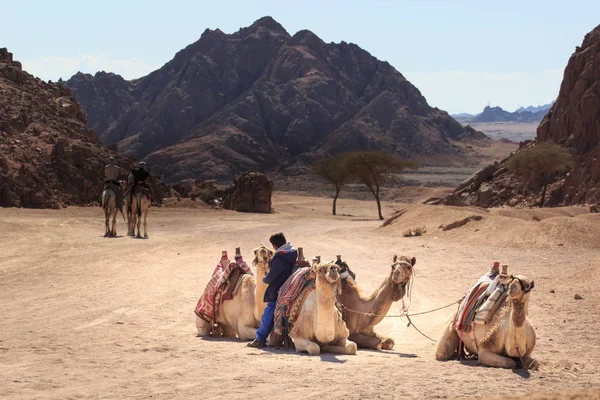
459 53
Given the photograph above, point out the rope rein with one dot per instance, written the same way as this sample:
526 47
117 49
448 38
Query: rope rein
404 312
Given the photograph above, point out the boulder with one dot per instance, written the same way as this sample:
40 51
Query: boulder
251 193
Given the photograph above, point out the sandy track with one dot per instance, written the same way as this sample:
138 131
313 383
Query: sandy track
89 317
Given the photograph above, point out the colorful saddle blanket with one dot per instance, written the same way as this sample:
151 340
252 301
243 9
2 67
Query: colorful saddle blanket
209 303
481 302
297 287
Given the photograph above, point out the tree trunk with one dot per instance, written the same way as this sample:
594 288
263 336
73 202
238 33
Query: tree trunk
543 196
378 203
337 193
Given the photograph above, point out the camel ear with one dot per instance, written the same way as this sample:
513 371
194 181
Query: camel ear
395 257
532 285
413 261
255 251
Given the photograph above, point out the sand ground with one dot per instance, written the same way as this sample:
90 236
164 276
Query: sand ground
89 317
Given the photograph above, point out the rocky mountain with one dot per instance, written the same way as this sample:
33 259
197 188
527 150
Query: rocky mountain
535 109
497 114
48 154
574 122
262 99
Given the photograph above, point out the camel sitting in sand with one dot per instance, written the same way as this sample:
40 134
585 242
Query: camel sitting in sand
241 315
357 308
109 204
507 337
140 206
319 326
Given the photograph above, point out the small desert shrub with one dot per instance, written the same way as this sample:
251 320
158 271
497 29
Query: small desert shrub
536 218
417 231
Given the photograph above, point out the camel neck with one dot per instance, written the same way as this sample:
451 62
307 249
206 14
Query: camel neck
325 327
518 313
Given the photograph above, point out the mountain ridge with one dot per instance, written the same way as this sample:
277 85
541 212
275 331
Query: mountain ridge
262 99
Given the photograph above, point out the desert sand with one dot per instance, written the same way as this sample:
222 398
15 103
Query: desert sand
88 317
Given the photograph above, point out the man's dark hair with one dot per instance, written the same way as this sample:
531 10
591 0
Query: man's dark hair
278 240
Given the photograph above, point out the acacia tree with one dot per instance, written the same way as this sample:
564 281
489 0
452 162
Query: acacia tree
375 168
334 171
539 164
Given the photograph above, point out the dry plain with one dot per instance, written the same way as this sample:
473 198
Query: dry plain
89 317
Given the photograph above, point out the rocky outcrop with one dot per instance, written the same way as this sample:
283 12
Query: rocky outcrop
103 96
251 193
48 155
263 100
573 122
497 114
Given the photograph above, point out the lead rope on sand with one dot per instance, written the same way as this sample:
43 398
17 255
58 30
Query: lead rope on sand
407 315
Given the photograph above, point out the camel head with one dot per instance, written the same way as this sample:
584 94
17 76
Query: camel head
402 272
402 269
329 272
519 288
262 255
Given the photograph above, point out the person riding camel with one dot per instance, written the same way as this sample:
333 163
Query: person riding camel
111 180
140 177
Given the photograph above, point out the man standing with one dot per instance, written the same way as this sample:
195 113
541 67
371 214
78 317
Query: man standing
281 267
111 180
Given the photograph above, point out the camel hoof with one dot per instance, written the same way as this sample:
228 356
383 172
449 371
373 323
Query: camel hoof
106 234
351 348
533 364
138 236
388 344
145 236
313 349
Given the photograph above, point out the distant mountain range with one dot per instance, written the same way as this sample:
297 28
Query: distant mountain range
262 99
497 114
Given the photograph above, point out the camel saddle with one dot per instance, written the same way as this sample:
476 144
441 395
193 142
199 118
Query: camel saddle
290 300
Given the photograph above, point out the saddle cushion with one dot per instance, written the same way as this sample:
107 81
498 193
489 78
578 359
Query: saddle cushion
209 303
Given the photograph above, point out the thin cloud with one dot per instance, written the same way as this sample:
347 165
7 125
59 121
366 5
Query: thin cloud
53 68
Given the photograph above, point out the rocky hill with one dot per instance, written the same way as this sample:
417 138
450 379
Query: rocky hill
574 122
262 99
48 154
533 109
497 114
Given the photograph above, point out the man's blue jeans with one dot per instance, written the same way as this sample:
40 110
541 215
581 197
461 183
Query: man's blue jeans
267 321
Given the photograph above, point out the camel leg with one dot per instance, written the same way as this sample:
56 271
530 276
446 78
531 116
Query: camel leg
303 344
387 343
448 344
114 224
490 359
365 341
530 362
202 326
344 347
106 222
228 330
138 222
246 332
145 217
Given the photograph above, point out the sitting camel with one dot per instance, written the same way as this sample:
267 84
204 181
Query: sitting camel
508 336
319 326
241 315
357 308
139 209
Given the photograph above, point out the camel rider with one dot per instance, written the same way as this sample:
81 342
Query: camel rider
111 180
280 269
140 177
